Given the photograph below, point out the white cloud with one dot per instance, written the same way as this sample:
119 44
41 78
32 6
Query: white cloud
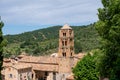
49 11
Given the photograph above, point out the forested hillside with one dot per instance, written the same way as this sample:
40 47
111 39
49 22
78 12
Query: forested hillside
45 41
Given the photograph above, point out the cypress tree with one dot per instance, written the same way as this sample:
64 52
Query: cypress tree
1 46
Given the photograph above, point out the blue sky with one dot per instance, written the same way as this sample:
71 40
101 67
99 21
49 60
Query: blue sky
26 15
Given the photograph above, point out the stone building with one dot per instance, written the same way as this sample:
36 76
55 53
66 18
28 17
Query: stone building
18 72
66 42
58 66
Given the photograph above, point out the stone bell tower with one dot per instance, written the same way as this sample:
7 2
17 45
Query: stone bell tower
66 41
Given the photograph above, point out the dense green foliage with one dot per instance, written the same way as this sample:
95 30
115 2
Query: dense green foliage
86 68
108 28
2 43
45 41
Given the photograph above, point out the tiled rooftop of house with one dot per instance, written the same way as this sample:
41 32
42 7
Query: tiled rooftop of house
45 67
40 59
80 55
6 62
21 66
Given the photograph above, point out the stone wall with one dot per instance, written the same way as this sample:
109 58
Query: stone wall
11 74
64 65
62 76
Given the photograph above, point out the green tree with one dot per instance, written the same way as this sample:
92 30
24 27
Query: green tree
1 46
108 28
86 68
78 47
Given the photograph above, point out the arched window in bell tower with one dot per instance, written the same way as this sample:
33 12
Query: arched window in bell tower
62 43
64 54
65 43
71 53
70 39
64 34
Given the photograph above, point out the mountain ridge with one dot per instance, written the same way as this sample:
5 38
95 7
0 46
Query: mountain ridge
45 41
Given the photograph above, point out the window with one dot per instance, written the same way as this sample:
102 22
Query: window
64 54
71 53
70 39
65 43
64 34
46 73
32 75
24 76
71 47
54 76
20 76
54 73
63 77
10 75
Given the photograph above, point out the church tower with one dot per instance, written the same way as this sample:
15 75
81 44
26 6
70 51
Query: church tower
66 41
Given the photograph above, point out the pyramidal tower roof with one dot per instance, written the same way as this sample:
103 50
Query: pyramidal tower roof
66 26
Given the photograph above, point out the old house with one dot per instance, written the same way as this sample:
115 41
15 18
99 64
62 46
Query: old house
18 72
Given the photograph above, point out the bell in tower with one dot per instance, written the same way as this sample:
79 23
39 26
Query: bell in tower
66 41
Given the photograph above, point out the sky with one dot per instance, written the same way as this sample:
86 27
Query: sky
20 16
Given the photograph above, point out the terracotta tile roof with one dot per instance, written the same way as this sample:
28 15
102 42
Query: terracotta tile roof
21 66
6 60
7 64
66 26
40 59
45 67
43 63
80 55
21 56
